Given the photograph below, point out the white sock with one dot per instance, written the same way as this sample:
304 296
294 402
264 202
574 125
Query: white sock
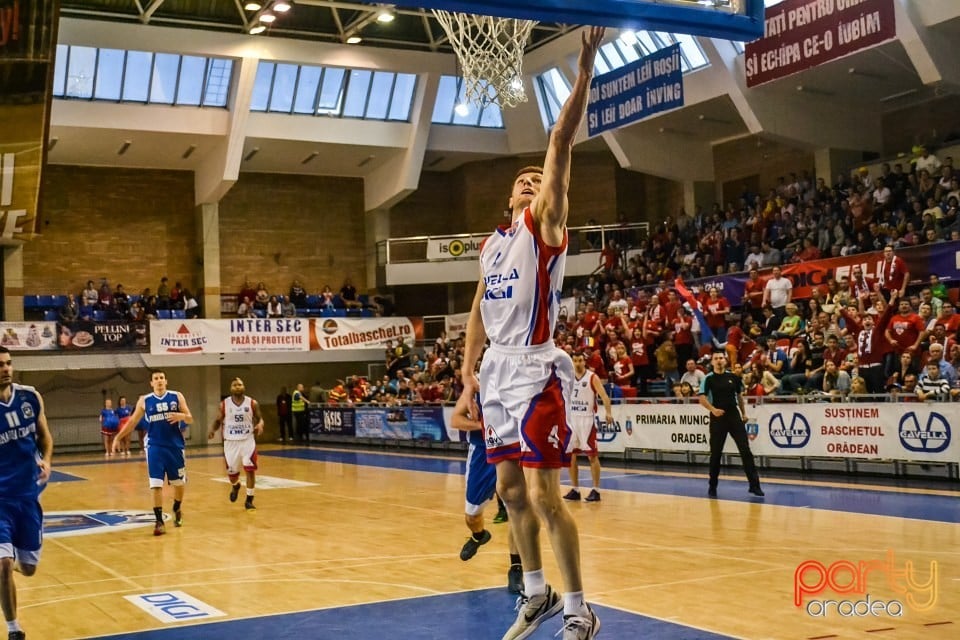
13 625
534 583
575 605
249 493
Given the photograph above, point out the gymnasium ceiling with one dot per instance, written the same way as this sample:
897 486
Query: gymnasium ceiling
319 20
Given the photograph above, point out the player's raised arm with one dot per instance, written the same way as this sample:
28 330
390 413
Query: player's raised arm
550 209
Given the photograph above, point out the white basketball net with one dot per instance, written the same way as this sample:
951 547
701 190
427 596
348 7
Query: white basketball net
490 52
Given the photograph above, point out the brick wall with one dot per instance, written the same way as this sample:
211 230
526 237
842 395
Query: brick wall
130 226
277 228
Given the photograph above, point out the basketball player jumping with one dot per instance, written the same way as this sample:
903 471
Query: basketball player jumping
525 381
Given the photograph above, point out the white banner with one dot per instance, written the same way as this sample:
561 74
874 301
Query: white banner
28 336
360 333
455 247
455 324
568 307
888 431
239 335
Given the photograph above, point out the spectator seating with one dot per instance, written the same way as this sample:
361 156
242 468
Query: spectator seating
51 315
164 314
178 314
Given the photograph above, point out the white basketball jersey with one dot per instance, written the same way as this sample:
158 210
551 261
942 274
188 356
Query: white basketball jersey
523 279
583 400
237 419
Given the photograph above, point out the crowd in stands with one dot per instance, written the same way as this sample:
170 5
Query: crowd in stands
259 302
106 303
635 329
854 336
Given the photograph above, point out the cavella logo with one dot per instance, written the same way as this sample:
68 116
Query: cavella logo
183 340
11 217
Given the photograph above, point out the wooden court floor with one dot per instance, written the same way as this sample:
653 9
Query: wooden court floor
362 529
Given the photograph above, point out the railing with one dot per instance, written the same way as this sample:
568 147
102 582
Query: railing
585 239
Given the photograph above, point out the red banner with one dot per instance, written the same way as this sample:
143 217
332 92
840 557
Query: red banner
801 34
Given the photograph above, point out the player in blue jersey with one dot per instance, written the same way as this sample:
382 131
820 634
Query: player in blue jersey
166 413
26 451
481 479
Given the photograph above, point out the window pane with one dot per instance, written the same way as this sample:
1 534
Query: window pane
612 54
136 78
491 117
402 97
627 52
646 42
109 74
218 82
83 62
380 90
600 64
446 99
192 69
60 69
284 82
307 89
261 86
331 91
163 86
692 51
357 91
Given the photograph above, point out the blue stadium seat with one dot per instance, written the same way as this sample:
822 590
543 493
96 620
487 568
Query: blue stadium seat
46 302
657 387
163 314
178 314
313 302
366 313
50 315
59 301
86 311
31 302
260 313
99 315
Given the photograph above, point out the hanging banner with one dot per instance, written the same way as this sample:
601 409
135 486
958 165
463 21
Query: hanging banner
940 258
801 34
455 324
240 335
640 89
28 336
455 247
97 336
361 333
28 32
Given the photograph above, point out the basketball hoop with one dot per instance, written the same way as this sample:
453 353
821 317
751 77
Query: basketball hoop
490 53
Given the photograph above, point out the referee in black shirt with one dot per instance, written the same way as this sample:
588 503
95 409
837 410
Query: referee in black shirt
721 393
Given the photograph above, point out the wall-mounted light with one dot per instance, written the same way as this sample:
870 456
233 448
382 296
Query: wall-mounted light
251 153
123 148
386 15
310 158
267 18
252 6
189 151
257 29
281 7
354 40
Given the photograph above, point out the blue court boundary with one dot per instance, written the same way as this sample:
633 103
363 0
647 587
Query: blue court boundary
879 502
466 615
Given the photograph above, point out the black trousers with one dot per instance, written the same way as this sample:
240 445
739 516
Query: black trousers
730 423
303 425
873 377
286 426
